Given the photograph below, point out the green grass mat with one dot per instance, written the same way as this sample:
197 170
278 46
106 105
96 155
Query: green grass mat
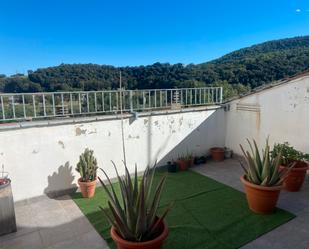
206 215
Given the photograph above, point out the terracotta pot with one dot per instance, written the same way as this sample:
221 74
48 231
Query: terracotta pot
296 177
182 165
261 199
87 188
217 154
156 243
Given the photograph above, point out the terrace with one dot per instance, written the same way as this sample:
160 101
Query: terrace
41 150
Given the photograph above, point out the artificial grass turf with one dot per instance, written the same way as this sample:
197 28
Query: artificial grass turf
206 215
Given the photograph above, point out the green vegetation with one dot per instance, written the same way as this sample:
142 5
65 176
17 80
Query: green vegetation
206 213
263 170
237 72
134 213
87 166
288 153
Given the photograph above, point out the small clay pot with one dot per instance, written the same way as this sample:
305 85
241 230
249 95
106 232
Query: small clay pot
261 199
217 154
87 188
296 177
156 243
182 164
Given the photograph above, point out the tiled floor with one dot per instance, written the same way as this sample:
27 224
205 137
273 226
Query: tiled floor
51 224
59 224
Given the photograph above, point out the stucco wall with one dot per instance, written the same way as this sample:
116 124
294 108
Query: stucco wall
281 112
43 159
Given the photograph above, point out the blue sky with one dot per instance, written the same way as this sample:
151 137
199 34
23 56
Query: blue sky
37 34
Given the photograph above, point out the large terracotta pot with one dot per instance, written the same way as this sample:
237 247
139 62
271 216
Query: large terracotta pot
87 188
182 164
261 199
156 243
217 154
296 177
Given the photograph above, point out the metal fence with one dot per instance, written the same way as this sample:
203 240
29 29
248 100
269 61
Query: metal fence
42 105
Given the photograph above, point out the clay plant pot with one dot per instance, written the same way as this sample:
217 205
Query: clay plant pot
87 188
182 165
296 177
261 199
217 154
156 243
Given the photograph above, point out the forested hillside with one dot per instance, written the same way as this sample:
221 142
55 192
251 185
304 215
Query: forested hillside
237 71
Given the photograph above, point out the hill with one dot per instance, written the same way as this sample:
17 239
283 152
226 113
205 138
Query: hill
237 71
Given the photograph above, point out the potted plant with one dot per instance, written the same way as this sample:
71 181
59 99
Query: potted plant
217 153
199 160
185 161
295 179
7 211
262 179
134 212
87 168
172 167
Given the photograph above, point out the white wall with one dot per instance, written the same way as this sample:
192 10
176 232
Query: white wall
43 159
284 116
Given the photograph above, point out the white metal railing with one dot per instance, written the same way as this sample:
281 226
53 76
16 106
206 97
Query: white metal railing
42 105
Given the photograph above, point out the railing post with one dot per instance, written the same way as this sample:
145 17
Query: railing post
131 100
24 107
34 108
44 106
13 107
53 100
221 94
2 107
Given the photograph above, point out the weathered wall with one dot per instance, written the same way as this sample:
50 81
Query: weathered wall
43 159
282 112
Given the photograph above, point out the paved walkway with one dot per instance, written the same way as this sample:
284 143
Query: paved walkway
46 223
51 224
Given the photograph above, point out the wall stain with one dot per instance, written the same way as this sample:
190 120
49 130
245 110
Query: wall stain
35 151
79 131
61 144
133 137
109 133
258 120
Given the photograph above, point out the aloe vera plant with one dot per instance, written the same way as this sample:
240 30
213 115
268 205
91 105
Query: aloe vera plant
134 212
87 166
263 169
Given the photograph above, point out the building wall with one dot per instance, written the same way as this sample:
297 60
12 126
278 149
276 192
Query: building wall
281 112
42 159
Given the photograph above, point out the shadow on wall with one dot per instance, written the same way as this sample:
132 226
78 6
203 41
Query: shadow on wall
210 133
61 182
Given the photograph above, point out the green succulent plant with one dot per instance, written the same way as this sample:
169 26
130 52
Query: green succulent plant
262 168
134 212
288 153
87 166
186 156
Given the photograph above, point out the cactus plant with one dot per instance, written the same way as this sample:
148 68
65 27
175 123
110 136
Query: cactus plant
263 170
134 212
87 166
